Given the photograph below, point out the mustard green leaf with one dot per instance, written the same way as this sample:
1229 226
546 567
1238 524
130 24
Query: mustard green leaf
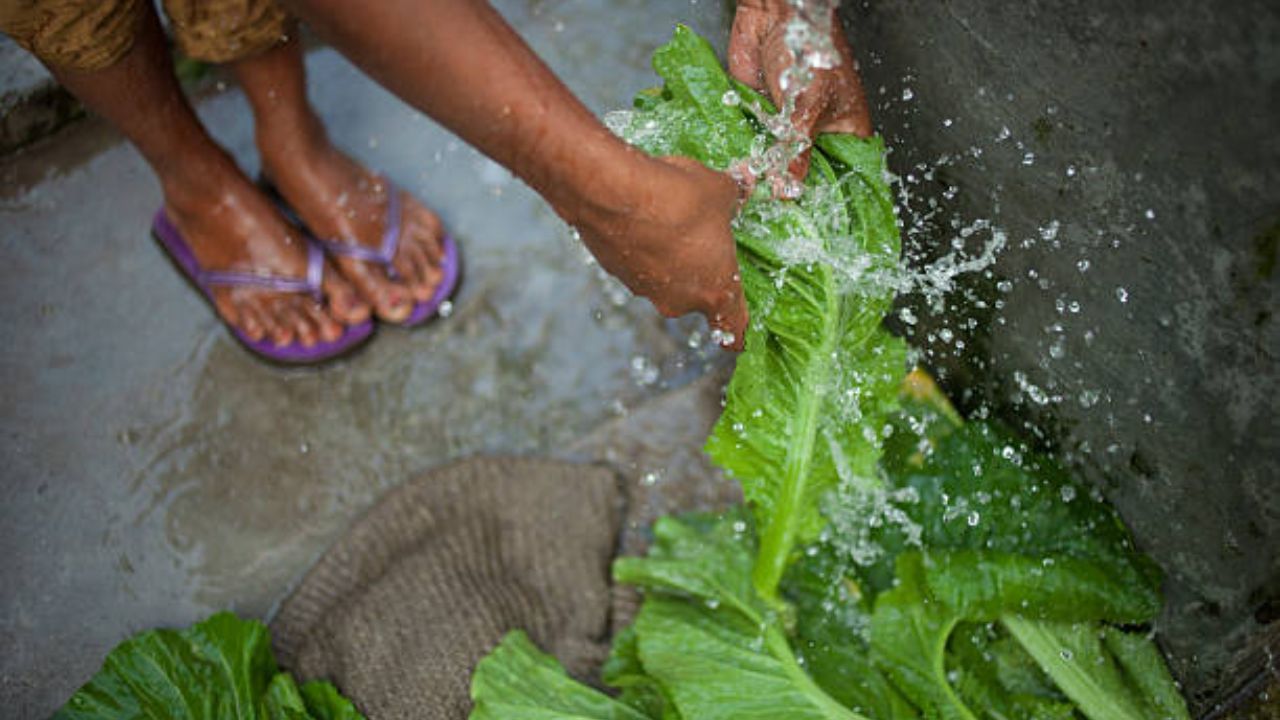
516 680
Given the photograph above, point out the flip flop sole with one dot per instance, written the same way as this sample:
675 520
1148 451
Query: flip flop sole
422 311
445 290
179 254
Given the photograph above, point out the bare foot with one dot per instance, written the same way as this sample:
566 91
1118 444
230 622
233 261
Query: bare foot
230 225
339 199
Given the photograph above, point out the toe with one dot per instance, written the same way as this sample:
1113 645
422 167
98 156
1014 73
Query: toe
391 300
327 328
230 311
422 284
300 320
408 269
252 326
430 231
345 302
281 330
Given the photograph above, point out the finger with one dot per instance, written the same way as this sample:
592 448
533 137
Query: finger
847 110
797 170
731 317
813 110
851 113
744 49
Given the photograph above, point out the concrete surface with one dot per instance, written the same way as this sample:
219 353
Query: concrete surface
32 104
1129 152
154 472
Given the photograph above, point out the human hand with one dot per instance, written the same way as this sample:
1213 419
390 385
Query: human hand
758 56
672 242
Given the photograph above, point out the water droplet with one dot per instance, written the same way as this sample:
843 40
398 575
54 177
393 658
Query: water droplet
1150 214
1082 265
643 372
974 518
731 98
650 478
721 337
1068 493
446 308
1122 295
1066 654
908 94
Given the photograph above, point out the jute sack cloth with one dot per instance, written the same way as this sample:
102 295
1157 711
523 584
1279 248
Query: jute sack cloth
398 611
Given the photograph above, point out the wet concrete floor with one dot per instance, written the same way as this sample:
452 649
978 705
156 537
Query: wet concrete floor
155 472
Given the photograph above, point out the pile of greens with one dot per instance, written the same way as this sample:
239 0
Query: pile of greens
219 668
894 562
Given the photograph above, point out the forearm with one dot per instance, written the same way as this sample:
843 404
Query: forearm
459 62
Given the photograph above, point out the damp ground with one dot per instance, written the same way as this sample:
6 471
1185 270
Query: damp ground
155 472
1124 155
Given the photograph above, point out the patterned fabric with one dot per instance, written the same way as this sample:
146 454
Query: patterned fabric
93 34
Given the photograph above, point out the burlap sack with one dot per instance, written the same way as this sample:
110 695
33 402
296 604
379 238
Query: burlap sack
399 611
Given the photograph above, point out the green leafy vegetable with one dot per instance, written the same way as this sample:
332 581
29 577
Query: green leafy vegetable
818 368
1108 673
832 637
219 668
986 530
946 569
518 681
706 637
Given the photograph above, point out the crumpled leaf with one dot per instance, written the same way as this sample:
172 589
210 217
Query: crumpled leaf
219 668
517 680
624 671
706 638
909 633
999 680
1021 534
832 638
324 702
1108 673
718 665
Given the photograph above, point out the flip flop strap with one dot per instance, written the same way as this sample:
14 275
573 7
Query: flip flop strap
386 251
310 284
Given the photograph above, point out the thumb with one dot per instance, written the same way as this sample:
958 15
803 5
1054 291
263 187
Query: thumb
809 110
744 49
799 168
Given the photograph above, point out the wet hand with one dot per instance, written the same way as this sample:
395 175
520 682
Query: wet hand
672 243
758 56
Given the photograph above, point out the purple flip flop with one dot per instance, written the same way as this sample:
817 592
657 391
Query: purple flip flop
450 266
175 246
